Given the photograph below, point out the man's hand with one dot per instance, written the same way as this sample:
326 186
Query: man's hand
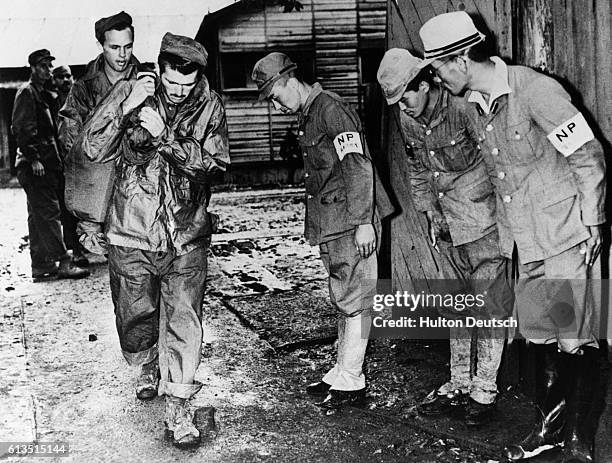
38 169
592 247
365 239
143 88
151 121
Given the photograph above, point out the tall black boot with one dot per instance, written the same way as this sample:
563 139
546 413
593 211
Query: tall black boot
579 430
550 405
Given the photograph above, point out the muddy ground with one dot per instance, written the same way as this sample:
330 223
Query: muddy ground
269 331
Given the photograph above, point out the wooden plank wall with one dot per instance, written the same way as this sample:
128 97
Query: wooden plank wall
331 29
411 256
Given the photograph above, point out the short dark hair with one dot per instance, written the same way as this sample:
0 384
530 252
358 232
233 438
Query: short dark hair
482 51
118 27
424 75
179 64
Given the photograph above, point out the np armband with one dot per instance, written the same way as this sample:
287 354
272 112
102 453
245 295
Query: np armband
571 135
348 142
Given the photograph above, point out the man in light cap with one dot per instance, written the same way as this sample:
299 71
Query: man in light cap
549 174
344 205
89 186
167 141
39 170
450 184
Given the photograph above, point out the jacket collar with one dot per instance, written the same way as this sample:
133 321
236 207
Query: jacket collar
314 93
95 68
500 88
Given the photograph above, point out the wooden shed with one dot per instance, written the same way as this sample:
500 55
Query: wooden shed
338 43
569 39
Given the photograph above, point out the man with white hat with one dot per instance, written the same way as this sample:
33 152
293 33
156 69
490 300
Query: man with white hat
449 183
345 203
549 175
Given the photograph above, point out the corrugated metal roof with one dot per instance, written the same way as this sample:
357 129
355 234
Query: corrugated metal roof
66 27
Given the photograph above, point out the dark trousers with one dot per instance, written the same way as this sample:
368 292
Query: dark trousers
158 300
44 215
69 222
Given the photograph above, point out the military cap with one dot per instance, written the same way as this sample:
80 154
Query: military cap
397 69
269 69
447 34
61 71
39 55
184 47
106 24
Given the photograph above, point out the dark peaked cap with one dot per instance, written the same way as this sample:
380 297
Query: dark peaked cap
106 24
184 47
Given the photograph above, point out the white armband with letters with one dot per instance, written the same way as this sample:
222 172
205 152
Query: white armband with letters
348 142
571 135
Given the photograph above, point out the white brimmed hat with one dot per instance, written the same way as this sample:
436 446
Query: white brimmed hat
397 69
447 34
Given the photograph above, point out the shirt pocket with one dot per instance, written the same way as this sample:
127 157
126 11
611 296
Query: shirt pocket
454 153
518 135
314 148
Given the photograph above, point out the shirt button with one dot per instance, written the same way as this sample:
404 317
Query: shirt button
408 145
440 195
489 127
306 175
507 198
300 133
453 142
428 132
478 146
501 175
494 151
305 154
309 196
432 153
517 136
436 174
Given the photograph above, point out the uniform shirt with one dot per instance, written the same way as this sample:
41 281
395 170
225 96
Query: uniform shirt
341 185
447 169
33 124
542 158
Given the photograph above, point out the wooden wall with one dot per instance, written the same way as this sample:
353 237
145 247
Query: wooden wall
331 30
411 256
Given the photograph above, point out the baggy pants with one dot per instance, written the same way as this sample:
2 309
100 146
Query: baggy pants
352 282
559 300
44 225
158 300
480 262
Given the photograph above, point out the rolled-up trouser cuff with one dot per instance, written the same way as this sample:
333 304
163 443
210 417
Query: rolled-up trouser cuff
136 359
182 391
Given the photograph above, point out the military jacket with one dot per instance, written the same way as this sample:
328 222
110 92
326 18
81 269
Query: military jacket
546 166
447 168
342 189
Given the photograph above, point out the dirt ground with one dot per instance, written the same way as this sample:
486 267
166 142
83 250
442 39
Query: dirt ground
268 331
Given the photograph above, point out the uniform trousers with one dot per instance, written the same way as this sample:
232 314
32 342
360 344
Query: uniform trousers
158 299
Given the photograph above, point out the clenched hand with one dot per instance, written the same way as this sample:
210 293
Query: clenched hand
151 121
143 88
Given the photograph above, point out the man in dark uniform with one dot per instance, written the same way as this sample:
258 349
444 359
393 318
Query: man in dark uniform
39 170
450 184
89 185
549 174
344 206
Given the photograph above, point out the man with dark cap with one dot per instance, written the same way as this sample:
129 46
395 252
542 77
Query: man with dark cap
549 174
167 140
39 170
88 185
62 80
345 203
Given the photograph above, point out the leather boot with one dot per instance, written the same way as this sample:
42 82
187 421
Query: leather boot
67 269
178 419
579 430
148 381
550 405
